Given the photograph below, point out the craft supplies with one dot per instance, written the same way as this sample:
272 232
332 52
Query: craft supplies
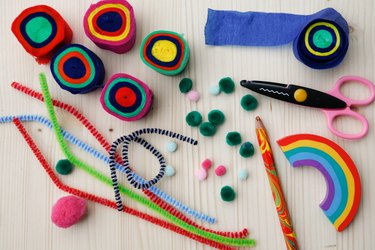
249 103
343 182
91 128
247 150
68 210
126 97
216 117
193 119
111 25
41 31
130 194
64 167
170 171
201 174
77 69
171 146
226 85
165 51
220 170
214 90
333 103
185 85
243 174
277 192
193 95
197 229
233 138
206 164
320 40
207 129
227 193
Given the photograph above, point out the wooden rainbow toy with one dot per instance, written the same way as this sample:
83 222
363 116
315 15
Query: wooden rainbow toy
110 24
41 31
343 182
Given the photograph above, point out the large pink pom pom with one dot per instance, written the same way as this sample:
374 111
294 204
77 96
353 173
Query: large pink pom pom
68 210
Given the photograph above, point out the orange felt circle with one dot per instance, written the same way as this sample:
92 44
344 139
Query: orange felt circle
84 61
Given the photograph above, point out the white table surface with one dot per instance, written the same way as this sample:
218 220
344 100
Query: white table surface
27 194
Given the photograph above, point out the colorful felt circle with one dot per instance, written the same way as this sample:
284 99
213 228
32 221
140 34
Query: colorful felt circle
110 24
322 44
126 97
77 69
41 31
165 51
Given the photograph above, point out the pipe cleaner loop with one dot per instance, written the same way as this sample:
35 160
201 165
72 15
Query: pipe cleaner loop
126 139
41 31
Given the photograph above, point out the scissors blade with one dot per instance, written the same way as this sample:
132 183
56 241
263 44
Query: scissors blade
295 94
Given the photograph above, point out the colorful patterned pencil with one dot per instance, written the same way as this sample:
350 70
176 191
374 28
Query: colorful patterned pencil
277 192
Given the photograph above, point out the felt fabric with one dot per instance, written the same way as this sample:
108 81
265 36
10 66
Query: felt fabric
77 69
165 51
41 31
319 40
126 97
68 210
111 25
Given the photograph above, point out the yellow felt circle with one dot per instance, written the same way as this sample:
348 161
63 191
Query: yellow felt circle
164 50
300 95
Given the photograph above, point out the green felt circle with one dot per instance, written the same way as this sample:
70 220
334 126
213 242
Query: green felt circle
226 85
185 85
193 119
322 39
85 55
38 29
113 109
248 102
233 138
64 167
247 150
227 193
207 129
216 117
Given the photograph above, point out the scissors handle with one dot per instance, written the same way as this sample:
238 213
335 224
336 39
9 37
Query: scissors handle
332 115
357 79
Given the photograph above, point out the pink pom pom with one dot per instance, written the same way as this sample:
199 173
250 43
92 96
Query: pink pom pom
206 164
220 170
201 174
68 210
193 95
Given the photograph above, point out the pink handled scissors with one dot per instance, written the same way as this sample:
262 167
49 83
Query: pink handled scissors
333 103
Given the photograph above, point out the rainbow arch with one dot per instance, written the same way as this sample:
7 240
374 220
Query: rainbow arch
343 182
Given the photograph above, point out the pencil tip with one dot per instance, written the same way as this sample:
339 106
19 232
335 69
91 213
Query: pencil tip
257 118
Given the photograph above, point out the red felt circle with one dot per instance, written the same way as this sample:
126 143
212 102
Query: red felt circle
125 97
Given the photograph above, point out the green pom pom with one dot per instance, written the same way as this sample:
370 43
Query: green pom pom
247 150
216 117
233 138
248 102
64 167
207 129
227 193
185 85
193 119
226 85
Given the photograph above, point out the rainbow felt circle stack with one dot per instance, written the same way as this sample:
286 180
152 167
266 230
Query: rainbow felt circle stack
110 24
126 97
41 31
165 51
77 69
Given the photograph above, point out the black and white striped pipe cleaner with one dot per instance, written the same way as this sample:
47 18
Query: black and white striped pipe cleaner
126 139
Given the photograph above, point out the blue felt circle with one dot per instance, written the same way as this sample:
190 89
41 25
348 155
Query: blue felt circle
156 61
112 100
74 68
28 39
110 21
